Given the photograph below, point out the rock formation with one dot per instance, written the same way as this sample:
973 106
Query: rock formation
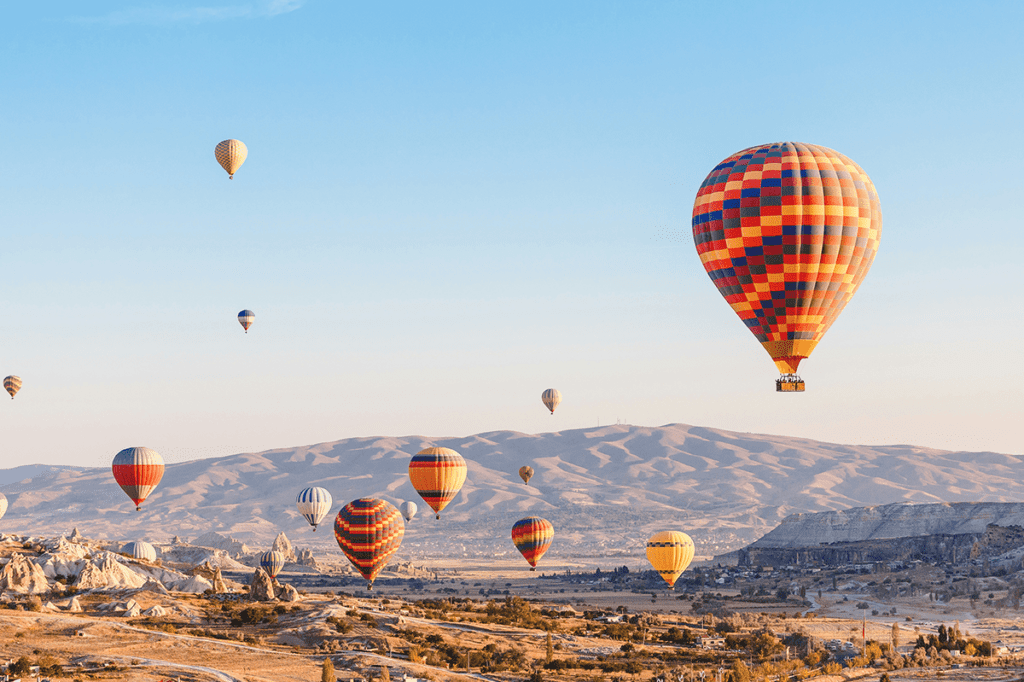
288 593
283 545
23 576
306 558
197 584
75 535
108 573
219 586
261 587
74 606
224 542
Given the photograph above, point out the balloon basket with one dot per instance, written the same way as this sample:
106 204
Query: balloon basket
789 383
533 568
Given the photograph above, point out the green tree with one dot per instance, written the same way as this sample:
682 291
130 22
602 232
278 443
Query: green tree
327 672
739 672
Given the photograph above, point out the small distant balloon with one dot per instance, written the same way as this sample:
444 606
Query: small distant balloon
408 509
526 473
272 562
231 155
314 504
12 384
246 318
551 398
670 552
532 537
138 471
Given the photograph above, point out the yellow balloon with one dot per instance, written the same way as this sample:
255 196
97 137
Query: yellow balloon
231 155
526 473
670 552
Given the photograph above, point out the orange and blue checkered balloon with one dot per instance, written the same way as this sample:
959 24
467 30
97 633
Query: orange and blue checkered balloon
369 531
532 537
787 232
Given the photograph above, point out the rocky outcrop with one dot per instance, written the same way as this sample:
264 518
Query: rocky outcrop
75 535
197 584
306 558
107 573
288 593
218 541
74 606
283 545
261 587
219 586
23 576
890 521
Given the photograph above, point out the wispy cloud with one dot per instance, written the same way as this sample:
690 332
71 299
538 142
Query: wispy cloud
163 14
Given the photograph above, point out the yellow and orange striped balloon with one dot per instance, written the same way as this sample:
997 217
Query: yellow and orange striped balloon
437 474
670 552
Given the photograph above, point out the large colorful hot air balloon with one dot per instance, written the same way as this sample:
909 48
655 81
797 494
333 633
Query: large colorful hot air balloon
670 552
369 531
408 509
526 473
551 398
3 505
787 232
246 318
138 471
438 475
12 384
231 155
140 550
532 537
272 562
314 504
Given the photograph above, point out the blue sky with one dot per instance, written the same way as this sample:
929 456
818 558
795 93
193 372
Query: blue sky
449 207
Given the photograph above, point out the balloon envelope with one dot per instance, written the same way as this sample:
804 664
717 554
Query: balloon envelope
272 562
231 155
3 505
787 232
532 537
437 474
526 473
12 384
551 398
314 504
408 509
369 531
138 471
246 318
140 550
670 552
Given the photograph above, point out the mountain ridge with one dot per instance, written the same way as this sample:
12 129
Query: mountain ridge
605 488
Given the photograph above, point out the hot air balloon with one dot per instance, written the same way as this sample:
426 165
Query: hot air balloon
526 473
314 504
787 232
272 562
231 155
3 505
408 509
12 384
140 550
532 537
551 398
438 475
246 318
138 471
670 552
369 531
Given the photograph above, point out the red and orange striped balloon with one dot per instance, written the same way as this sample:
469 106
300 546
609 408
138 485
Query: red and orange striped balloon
369 531
532 537
138 471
